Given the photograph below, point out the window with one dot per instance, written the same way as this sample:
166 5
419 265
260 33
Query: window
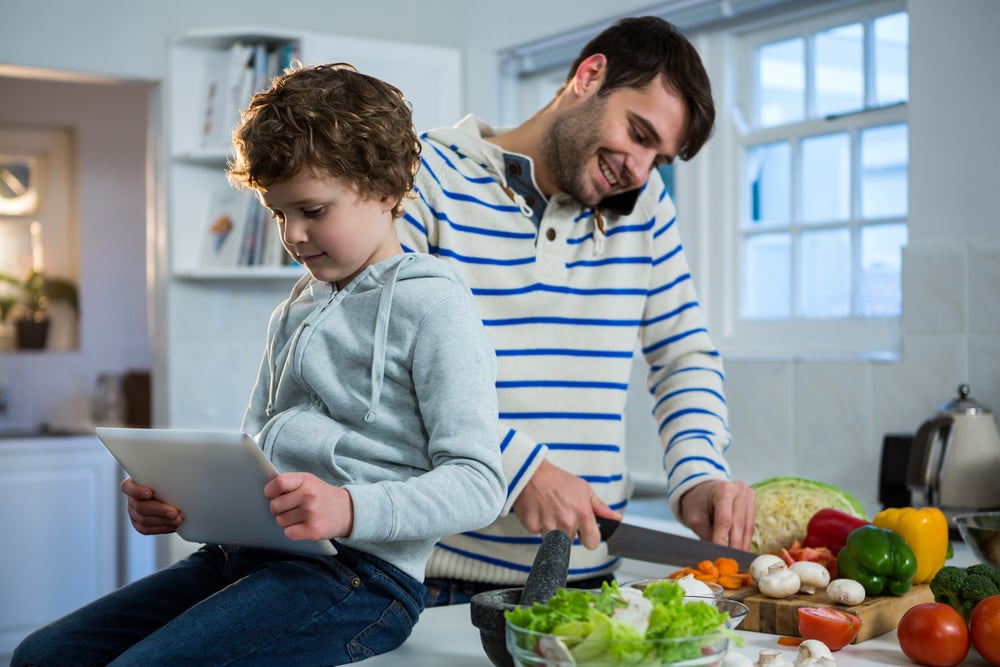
823 185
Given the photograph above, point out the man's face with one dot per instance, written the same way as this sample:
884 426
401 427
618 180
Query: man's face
608 145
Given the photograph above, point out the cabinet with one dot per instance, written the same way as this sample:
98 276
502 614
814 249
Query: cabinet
62 516
209 322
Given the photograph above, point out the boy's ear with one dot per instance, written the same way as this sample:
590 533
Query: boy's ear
589 76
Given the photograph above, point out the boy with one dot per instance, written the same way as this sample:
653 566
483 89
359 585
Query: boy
375 399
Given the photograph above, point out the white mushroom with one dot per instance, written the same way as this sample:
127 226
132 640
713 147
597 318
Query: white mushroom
762 564
638 610
694 587
846 591
779 582
734 659
814 653
812 575
553 648
770 657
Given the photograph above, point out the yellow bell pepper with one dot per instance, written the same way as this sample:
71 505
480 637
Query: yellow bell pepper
925 530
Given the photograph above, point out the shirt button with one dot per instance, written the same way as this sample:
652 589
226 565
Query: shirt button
550 234
530 200
514 168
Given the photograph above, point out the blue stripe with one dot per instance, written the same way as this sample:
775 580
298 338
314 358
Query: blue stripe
704 390
446 252
680 336
662 230
600 416
556 289
688 411
692 459
439 215
524 568
601 479
570 446
669 286
512 483
573 321
689 369
667 257
515 384
609 261
506 440
539 352
673 313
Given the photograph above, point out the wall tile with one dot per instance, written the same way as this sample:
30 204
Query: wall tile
984 287
761 419
934 288
984 371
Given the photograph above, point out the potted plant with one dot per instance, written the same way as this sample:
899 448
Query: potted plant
29 313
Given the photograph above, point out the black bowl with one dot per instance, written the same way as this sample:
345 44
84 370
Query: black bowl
487 611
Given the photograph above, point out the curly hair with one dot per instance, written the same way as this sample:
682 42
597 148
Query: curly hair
333 121
638 49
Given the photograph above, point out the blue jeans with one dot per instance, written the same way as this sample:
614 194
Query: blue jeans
441 591
239 606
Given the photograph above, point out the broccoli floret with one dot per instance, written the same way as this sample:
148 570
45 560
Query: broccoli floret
947 585
963 588
988 571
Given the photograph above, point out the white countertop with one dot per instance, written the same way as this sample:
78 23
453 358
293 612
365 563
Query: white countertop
445 636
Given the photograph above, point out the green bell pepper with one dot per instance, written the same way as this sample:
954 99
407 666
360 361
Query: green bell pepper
879 559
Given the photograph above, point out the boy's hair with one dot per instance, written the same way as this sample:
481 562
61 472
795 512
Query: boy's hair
332 121
640 48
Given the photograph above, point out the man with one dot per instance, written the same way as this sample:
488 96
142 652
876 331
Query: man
567 238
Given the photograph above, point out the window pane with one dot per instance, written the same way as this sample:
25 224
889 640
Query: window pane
839 63
884 178
769 184
825 273
766 283
881 261
826 179
781 82
892 52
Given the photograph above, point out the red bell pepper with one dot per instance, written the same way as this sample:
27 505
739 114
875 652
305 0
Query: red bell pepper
830 527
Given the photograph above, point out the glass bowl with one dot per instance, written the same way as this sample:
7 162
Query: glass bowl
981 531
716 589
535 649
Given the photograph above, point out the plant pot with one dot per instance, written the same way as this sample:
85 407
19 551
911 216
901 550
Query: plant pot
31 334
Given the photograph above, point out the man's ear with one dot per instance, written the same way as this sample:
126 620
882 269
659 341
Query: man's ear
589 75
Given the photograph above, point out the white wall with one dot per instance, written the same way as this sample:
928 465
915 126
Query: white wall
818 418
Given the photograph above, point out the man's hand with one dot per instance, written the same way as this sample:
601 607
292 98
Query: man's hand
308 508
149 516
555 499
721 511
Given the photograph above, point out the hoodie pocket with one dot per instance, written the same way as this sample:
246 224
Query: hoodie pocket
305 439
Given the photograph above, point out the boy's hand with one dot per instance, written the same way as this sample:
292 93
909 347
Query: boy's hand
148 515
308 508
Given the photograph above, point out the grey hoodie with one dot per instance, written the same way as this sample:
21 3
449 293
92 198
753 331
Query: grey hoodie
387 389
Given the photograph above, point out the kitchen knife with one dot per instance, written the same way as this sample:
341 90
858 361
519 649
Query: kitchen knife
654 546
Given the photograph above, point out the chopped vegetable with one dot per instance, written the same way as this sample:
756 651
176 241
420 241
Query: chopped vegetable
821 555
589 626
925 530
790 641
722 571
963 587
785 505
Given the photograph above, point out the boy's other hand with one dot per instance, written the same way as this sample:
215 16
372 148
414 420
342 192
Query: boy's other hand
148 515
308 508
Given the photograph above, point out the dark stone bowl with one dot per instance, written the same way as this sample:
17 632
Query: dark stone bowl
487 610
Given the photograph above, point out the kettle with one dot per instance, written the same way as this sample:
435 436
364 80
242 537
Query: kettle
955 461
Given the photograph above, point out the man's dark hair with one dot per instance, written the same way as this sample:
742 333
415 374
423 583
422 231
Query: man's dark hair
638 49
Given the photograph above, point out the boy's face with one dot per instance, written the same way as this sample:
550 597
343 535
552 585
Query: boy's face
329 228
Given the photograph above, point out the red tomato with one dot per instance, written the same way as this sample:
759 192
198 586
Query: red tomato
986 628
833 627
933 634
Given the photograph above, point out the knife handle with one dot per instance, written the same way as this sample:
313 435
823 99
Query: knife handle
607 527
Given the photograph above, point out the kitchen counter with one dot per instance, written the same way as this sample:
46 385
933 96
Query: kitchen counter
445 636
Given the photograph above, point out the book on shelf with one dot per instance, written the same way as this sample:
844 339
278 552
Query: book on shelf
243 71
228 210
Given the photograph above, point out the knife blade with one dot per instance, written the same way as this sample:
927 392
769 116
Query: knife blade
654 546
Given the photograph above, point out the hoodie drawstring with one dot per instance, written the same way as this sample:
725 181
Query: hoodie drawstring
382 336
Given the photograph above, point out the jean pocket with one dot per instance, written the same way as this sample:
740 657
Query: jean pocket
391 629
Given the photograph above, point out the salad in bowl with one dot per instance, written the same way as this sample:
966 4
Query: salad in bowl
617 627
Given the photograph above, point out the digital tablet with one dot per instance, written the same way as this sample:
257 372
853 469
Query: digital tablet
217 480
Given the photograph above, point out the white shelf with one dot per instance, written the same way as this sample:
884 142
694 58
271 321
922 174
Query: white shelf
290 273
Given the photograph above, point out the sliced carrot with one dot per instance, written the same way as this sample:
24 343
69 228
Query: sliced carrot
683 572
734 581
727 565
708 567
790 641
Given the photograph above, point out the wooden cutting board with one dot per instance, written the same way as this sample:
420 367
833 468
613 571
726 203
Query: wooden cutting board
879 614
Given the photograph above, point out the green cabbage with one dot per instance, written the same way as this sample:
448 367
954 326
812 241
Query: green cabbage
785 505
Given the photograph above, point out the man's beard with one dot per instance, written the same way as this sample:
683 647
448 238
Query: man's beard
571 142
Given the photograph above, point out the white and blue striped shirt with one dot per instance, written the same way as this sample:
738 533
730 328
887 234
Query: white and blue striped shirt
563 301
